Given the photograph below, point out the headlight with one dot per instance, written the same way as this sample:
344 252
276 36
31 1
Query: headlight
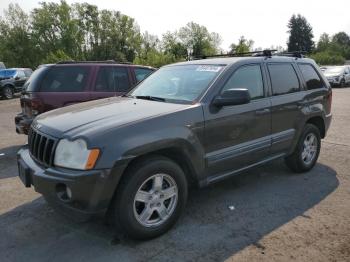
75 155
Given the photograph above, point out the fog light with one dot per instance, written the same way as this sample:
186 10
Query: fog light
64 193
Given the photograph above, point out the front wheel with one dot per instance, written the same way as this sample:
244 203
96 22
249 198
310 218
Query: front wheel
8 92
307 150
150 198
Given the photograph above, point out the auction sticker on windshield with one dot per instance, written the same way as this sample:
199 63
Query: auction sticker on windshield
208 68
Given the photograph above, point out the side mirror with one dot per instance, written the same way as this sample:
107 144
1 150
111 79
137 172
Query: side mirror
232 97
17 78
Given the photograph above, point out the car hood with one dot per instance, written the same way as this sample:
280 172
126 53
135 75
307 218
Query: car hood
104 113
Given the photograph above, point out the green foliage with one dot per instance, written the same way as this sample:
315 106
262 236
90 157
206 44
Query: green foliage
17 46
54 57
328 58
243 46
59 31
332 50
300 38
199 40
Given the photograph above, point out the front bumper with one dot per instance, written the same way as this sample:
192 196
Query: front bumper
91 191
23 123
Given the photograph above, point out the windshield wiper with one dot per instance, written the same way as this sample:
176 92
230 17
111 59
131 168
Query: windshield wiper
153 98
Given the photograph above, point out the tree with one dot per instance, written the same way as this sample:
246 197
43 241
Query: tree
243 46
323 42
300 38
341 38
198 39
17 46
172 45
328 58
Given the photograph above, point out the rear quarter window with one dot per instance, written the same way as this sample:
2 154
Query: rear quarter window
65 79
312 79
284 79
142 73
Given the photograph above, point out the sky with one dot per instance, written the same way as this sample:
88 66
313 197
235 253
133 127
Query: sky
265 22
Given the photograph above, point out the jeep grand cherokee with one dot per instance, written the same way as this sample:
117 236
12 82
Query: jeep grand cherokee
192 122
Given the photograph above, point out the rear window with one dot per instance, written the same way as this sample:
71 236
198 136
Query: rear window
33 81
283 78
65 79
312 79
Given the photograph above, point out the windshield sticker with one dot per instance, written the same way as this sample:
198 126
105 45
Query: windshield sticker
208 68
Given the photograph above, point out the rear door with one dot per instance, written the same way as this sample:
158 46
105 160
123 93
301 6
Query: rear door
287 104
65 85
111 81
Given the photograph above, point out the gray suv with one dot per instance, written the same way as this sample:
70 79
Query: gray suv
190 123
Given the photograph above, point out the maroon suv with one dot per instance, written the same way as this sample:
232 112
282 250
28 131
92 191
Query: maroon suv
65 83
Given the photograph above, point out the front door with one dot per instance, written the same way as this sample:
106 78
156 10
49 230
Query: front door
238 136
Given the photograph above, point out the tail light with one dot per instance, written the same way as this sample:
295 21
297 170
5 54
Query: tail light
36 106
330 95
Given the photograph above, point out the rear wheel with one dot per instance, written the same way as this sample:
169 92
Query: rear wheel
7 92
307 150
150 198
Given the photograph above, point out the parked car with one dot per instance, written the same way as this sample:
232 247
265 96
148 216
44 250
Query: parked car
12 80
338 75
56 85
2 65
195 122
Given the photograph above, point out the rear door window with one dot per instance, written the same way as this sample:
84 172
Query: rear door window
112 79
65 79
284 79
312 79
142 73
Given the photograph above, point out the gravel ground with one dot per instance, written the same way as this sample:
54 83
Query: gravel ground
275 215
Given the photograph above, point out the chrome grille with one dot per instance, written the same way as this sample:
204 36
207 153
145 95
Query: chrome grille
41 147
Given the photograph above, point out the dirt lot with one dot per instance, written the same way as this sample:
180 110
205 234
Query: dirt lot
277 215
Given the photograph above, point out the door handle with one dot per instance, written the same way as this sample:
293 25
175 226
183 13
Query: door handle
262 111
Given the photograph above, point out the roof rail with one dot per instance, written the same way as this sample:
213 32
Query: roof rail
87 62
266 52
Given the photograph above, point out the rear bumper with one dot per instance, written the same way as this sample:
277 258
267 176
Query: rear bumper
22 123
91 191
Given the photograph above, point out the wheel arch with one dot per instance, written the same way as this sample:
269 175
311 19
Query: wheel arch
173 153
318 121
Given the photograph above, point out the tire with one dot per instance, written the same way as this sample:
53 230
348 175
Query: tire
7 92
303 159
142 219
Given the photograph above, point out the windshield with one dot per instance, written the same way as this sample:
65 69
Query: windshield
334 70
182 83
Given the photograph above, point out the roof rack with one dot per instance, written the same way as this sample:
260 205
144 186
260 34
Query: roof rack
296 54
266 52
88 62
